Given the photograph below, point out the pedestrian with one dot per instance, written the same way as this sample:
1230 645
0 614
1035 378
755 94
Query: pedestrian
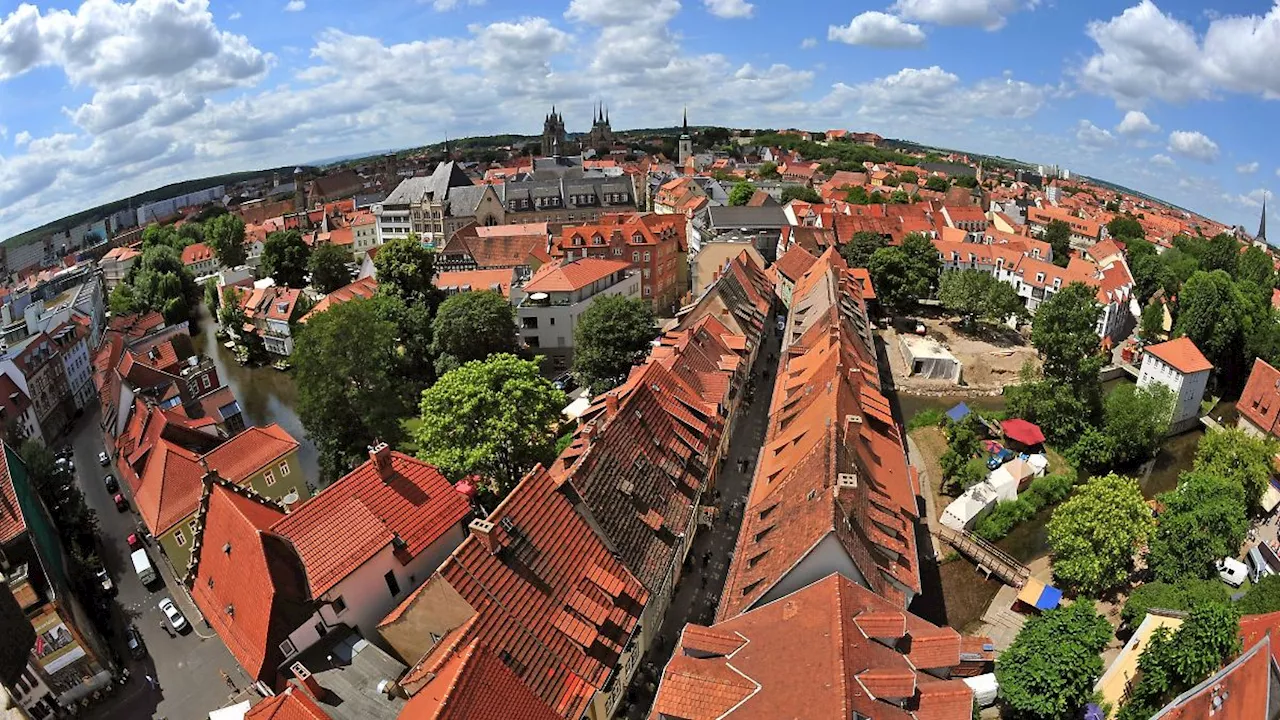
166 629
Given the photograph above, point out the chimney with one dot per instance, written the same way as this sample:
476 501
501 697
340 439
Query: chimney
308 682
380 454
482 530
611 404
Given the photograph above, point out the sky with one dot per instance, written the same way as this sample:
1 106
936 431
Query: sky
106 98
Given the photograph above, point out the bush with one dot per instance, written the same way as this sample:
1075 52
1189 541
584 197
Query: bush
930 417
1171 596
1261 598
1041 493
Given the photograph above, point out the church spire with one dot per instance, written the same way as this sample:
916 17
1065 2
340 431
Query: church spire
606 114
686 120
1262 224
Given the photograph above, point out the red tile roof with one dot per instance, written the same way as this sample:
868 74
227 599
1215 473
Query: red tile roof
795 262
827 421
14 401
196 252
169 487
362 288
498 280
473 683
1240 691
248 582
552 599
250 451
1182 354
568 276
809 650
1260 401
292 704
349 521
12 523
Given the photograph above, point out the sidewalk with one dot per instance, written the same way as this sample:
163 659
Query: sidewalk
698 593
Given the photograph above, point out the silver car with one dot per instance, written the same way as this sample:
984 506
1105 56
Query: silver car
173 614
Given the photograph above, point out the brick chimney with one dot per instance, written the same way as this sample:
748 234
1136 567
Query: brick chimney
611 404
307 680
482 530
380 454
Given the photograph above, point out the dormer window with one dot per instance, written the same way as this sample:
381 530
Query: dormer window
637 238
1039 277
597 240
577 240
1057 283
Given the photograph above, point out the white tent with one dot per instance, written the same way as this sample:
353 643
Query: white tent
927 358
1011 477
1039 463
984 687
965 511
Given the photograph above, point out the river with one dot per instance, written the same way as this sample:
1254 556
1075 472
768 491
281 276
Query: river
265 394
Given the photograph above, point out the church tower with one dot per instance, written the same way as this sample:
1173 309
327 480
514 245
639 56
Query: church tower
552 134
1262 224
686 142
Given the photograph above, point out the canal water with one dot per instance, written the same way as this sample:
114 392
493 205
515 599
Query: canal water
265 394
966 593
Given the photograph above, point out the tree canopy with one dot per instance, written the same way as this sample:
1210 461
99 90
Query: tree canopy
979 295
1209 311
406 271
1049 670
284 258
492 418
1261 597
158 282
613 334
1058 235
1174 661
1240 458
1125 227
1065 333
472 326
224 234
330 267
937 184
1094 534
858 250
350 395
1182 595
1203 521
799 192
1136 419
741 193
904 274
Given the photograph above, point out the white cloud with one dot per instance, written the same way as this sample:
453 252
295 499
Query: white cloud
1247 168
1251 199
1136 122
235 16
808 43
1092 136
988 14
1145 54
877 29
729 9
295 6
1163 160
918 99
447 5
1193 144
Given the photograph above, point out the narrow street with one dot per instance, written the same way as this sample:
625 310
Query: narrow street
698 592
186 666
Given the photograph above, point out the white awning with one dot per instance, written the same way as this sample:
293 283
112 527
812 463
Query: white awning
1270 498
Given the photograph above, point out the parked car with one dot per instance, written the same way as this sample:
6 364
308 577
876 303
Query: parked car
133 639
66 464
1232 571
110 482
121 503
999 458
103 459
135 541
565 383
171 612
1258 566
107 586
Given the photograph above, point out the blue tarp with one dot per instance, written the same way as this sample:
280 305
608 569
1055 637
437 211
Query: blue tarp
1093 712
1049 598
958 413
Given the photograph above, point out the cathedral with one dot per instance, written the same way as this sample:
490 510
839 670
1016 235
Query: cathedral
599 138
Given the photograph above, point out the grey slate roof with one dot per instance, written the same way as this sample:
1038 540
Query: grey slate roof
729 217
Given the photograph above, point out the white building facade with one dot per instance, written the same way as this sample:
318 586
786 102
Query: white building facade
1179 366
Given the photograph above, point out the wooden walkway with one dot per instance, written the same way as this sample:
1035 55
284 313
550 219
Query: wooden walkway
989 558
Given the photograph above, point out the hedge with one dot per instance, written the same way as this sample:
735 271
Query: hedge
1043 492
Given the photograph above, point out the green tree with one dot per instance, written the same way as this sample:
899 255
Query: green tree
1261 597
937 184
1209 312
964 443
1151 274
330 267
899 197
158 282
909 177
1221 252
211 297
472 326
1063 412
904 274
800 192
1256 266
350 395
1240 458
857 252
1125 227
1152 326
1174 661
1058 235
1180 596
494 419
1064 332
740 193
1203 521
284 258
857 196
224 234
613 334
966 181
1136 419
1094 534
406 271
124 301
166 235
1049 670
977 295
768 171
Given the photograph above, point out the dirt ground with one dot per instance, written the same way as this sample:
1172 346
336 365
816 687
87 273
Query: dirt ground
932 444
991 357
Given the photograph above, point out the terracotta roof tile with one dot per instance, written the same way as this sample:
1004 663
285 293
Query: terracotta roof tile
250 451
567 276
12 523
1182 354
292 704
474 684
337 530
196 252
1259 403
498 280
362 288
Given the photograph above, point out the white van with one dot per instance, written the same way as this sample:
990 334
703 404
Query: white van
1258 566
142 565
1232 571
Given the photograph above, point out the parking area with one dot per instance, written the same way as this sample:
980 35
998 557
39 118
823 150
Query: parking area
188 667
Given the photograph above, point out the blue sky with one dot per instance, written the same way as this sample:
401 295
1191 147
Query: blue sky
105 98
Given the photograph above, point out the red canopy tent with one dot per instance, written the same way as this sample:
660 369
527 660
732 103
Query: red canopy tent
1022 431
